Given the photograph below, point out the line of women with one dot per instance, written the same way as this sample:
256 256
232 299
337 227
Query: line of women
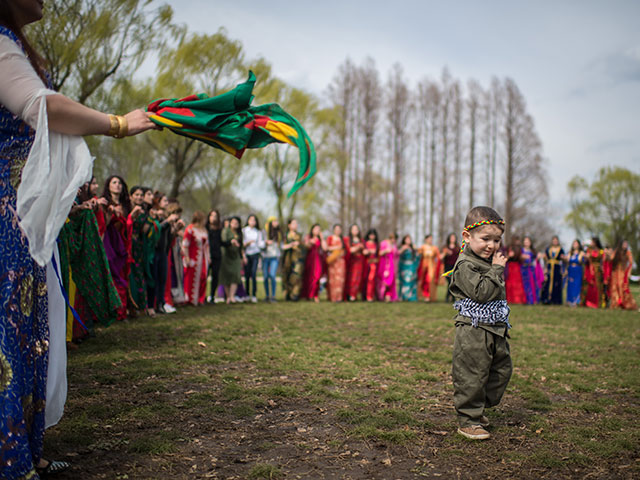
594 276
349 267
120 255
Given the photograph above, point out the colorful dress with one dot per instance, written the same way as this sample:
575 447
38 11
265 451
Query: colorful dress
386 273
408 273
529 278
313 270
137 228
619 294
151 238
336 270
428 272
451 254
196 244
292 267
116 242
513 283
574 282
24 330
552 288
81 250
369 281
355 268
593 294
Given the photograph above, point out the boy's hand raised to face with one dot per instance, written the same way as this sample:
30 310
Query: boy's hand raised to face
499 259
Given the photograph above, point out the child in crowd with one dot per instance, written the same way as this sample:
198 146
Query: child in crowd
481 360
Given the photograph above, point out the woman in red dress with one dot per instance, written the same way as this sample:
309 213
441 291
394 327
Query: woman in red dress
513 273
371 254
593 285
429 269
355 263
619 294
336 265
195 251
313 265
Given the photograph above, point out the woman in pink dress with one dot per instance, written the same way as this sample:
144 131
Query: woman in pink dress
513 273
313 264
195 252
386 273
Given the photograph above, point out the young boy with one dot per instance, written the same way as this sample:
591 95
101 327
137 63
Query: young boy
481 361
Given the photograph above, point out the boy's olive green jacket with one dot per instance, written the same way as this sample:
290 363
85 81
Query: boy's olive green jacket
476 278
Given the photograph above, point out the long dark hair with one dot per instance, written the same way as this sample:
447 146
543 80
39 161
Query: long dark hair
532 248
619 256
124 199
516 246
597 241
456 247
311 229
374 232
579 245
257 221
413 250
341 236
275 233
239 231
359 232
215 225
35 59
84 193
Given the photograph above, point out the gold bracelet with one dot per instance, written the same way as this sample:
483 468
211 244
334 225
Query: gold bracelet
114 125
123 129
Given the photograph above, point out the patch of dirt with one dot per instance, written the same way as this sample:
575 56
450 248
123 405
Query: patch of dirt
302 438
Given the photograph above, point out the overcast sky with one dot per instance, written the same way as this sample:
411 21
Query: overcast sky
576 62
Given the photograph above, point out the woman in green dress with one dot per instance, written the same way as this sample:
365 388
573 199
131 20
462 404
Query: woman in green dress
408 270
231 264
138 227
292 262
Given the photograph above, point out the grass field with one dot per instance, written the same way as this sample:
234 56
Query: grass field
346 391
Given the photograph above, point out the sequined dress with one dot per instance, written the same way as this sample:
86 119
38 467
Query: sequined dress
24 332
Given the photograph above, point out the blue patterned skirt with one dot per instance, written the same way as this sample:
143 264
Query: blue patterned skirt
24 330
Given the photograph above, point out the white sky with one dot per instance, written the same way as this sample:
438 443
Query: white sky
576 62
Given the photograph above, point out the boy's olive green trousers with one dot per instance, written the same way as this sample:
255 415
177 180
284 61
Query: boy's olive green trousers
481 371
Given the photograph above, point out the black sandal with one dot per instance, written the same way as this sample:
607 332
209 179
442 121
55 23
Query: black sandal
53 468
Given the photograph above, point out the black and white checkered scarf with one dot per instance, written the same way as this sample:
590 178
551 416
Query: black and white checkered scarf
488 313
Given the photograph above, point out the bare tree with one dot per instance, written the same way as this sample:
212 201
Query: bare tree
398 113
457 101
341 93
370 97
444 136
525 175
473 104
435 96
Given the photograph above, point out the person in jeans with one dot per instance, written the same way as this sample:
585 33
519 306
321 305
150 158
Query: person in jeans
253 245
271 257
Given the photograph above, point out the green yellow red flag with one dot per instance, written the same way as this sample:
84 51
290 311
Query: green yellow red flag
229 122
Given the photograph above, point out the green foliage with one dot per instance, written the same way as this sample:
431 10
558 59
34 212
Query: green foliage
88 44
608 207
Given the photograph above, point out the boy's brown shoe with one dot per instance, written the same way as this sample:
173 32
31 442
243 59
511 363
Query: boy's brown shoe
474 432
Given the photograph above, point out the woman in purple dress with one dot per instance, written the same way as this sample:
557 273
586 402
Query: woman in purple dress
528 258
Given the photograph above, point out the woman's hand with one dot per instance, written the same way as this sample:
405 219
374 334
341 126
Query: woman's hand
138 122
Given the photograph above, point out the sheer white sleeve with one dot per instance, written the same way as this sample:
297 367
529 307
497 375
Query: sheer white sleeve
19 82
